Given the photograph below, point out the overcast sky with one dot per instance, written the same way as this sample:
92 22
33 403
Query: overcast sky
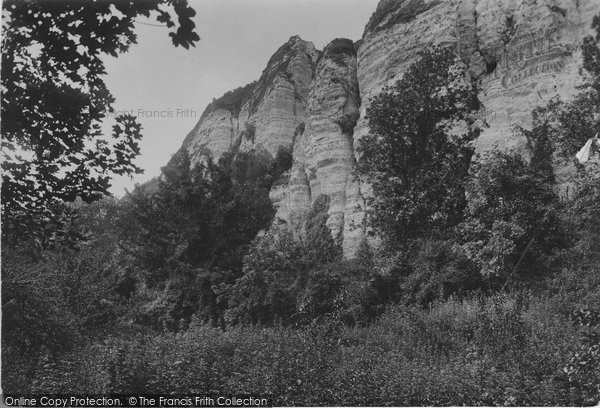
237 39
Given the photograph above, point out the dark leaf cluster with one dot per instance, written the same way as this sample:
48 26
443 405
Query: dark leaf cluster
417 167
54 101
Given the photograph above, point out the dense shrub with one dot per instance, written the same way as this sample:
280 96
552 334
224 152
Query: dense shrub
392 12
53 301
569 125
346 291
283 162
437 270
339 49
583 370
232 101
289 281
340 46
266 291
35 309
52 297
584 208
497 351
347 123
189 238
284 283
321 246
254 170
511 218
416 165
250 132
318 297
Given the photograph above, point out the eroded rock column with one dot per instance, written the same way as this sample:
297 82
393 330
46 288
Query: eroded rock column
324 155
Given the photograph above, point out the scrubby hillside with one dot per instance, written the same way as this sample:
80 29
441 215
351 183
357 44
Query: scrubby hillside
335 234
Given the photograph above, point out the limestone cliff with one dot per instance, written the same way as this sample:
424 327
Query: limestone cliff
324 154
264 114
520 52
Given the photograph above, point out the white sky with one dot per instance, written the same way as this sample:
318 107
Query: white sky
237 39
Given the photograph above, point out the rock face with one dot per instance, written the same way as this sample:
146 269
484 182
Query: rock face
521 53
261 115
532 56
323 154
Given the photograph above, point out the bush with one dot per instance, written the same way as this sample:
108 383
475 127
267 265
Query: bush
188 240
289 282
416 166
497 351
583 370
511 218
283 162
347 123
265 293
340 46
340 49
584 207
319 296
250 132
438 270
392 12
320 244
299 131
568 125
232 101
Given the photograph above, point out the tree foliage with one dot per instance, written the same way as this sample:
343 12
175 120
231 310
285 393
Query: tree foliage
414 157
54 100
286 280
54 300
512 214
583 370
563 127
437 271
283 282
591 53
321 245
266 291
192 233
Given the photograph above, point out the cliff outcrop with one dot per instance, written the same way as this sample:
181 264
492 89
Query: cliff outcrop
521 53
261 115
324 154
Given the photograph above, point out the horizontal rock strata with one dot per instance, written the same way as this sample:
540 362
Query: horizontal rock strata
521 53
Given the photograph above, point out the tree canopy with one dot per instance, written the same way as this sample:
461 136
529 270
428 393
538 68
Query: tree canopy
414 157
54 100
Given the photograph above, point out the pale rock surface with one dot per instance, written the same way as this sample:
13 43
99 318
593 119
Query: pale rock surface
280 101
324 155
532 51
523 52
267 115
215 135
